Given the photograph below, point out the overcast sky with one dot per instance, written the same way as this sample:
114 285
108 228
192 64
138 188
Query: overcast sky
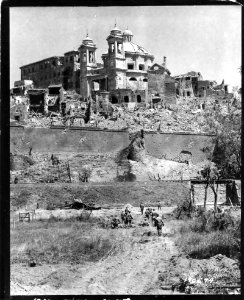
199 38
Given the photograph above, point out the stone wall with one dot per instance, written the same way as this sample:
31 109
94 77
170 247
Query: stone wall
58 140
156 82
172 145
160 145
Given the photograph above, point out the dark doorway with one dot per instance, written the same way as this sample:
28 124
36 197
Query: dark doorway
188 94
126 99
138 98
114 100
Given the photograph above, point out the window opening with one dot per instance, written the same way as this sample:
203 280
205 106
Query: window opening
141 67
126 99
114 100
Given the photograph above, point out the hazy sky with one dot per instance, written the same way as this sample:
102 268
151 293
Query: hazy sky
198 38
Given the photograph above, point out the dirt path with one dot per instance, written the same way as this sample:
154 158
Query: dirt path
131 268
132 272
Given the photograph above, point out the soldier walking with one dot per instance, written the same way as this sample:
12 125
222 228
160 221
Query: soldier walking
142 208
159 224
147 213
154 217
129 219
123 217
127 210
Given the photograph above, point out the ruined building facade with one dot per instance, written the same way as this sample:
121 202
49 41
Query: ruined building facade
128 73
54 70
192 84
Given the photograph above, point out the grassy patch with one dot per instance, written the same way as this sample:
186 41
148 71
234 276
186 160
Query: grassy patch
200 239
206 245
54 242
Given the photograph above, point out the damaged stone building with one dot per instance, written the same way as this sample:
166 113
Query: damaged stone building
45 72
128 73
187 84
161 86
192 84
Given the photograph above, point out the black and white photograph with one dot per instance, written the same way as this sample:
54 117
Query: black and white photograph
125 150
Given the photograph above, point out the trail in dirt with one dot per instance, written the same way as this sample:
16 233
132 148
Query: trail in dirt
132 271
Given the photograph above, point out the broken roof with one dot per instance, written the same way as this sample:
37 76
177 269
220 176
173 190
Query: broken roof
43 60
189 74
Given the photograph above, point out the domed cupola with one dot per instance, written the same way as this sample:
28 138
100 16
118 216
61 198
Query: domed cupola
88 41
115 42
127 34
115 31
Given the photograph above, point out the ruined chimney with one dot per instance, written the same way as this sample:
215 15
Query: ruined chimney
164 63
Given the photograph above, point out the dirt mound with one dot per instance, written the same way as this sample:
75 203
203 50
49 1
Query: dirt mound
201 275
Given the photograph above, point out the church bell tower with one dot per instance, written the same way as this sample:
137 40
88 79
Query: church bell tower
87 63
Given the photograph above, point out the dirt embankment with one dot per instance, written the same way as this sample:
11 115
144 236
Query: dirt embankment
105 195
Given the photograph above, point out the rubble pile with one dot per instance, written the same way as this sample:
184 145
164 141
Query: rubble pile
188 115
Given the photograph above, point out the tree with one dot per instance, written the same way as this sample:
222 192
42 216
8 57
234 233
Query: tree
227 128
211 174
227 155
85 174
68 170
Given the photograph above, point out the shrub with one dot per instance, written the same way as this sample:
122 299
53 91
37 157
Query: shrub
20 199
206 245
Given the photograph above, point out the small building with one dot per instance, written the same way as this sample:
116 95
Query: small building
21 87
37 100
187 84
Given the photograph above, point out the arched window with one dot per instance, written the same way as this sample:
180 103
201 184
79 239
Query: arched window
138 98
114 100
126 99
133 79
145 80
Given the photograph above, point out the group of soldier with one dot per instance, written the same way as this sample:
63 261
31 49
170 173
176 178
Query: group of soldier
126 219
153 216
150 215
